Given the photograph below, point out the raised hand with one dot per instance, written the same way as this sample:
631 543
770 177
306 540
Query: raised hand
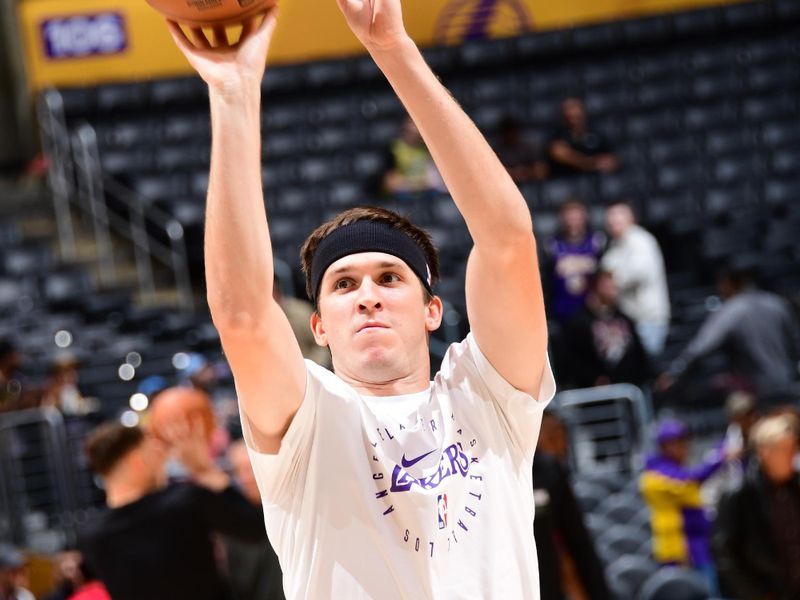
378 24
223 64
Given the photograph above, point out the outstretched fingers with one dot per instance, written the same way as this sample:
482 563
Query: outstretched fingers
199 38
219 36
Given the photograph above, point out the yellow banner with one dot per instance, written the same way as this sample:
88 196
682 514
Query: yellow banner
81 42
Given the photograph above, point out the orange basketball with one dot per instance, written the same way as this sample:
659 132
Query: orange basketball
202 13
176 404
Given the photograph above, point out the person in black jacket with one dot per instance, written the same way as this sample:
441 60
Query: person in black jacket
155 541
559 530
601 343
757 535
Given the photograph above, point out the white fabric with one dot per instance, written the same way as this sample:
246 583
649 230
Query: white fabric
636 261
348 521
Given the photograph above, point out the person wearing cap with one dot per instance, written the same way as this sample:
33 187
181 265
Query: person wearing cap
671 489
756 537
12 574
379 481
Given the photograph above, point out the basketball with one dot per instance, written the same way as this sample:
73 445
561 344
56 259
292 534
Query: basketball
203 13
174 404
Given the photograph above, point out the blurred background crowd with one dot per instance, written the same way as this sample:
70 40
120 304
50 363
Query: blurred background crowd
660 157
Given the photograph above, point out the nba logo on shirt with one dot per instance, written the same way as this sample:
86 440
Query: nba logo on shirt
442 506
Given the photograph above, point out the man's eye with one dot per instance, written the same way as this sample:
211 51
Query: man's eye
389 278
342 284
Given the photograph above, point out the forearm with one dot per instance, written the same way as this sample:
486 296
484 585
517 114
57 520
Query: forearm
238 254
472 172
212 478
565 155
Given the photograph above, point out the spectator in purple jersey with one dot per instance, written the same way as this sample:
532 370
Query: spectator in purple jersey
574 255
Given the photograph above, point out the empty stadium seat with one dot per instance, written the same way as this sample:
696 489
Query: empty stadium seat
627 574
589 495
621 508
621 540
672 583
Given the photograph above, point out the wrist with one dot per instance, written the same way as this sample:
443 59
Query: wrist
235 90
391 49
212 478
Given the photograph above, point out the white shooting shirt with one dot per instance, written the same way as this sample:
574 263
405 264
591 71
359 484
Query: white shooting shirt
425 495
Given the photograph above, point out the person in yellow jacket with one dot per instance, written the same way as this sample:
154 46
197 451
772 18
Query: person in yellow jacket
681 529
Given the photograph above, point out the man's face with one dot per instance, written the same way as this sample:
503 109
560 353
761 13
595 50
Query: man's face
677 450
374 318
574 113
606 288
746 422
619 218
574 220
410 133
147 462
777 459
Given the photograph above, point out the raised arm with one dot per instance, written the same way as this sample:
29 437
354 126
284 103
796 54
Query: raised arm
259 344
503 289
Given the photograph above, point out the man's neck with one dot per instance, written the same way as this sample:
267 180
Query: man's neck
119 494
410 384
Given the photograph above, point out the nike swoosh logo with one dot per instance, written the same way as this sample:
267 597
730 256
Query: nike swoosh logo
413 461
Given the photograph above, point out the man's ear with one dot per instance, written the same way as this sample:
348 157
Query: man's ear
318 329
433 314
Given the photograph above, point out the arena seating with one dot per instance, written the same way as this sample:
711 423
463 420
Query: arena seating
702 107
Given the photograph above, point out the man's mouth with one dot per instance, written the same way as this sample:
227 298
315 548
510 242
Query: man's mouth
372 325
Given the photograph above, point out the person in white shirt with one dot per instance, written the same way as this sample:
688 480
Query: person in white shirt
378 482
634 258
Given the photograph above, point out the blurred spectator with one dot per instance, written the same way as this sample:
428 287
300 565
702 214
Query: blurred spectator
568 563
91 588
757 331
681 529
742 413
151 386
553 437
520 156
15 391
635 259
155 541
757 533
12 574
575 147
62 392
253 568
601 342
299 313
198 373
410 169
574 254
69 577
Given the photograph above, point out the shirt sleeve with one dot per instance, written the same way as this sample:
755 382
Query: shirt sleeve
283 474
520 414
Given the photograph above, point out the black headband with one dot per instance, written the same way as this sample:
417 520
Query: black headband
368 236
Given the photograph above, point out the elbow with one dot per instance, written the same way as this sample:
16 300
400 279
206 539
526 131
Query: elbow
233 319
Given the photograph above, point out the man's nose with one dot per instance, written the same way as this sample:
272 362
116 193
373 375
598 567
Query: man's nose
369 297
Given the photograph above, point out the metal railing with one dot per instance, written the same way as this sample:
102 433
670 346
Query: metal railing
77 180
39 480
607 427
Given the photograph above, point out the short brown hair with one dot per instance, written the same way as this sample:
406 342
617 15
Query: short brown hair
109 443
368 213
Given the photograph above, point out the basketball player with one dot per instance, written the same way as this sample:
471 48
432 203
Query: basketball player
376 481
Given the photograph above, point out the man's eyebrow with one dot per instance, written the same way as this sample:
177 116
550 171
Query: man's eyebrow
387 264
